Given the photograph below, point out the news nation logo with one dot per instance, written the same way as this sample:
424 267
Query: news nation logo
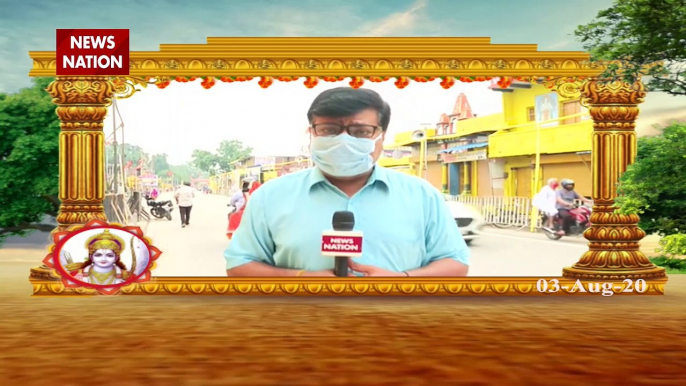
339 243
86 52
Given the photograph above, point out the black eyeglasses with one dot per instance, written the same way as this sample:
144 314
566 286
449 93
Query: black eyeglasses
357 131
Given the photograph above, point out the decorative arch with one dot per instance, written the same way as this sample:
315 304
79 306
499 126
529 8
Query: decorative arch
82 104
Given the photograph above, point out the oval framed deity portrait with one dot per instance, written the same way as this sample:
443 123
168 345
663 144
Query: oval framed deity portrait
102 257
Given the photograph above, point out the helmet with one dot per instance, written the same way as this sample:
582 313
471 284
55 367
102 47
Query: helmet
567 182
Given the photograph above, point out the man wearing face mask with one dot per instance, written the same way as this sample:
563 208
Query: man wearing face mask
407 227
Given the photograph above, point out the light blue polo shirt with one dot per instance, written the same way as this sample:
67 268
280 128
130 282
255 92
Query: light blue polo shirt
405 222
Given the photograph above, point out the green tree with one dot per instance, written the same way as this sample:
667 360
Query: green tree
653 186
29 156
223 160
230 152
160 164
638 33
131 153
206 161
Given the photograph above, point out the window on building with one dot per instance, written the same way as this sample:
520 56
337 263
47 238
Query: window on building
453 125
530 114
571 108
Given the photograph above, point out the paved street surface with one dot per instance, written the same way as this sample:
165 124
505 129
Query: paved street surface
197 250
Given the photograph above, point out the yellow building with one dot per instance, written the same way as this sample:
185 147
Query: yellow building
415 154
445 155
534 124
495 155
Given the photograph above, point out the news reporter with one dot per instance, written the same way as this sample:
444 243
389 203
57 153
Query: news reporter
408 230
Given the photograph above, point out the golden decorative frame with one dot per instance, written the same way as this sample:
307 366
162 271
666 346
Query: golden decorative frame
613 253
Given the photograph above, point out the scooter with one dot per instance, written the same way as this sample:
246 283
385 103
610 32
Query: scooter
159 209
232 209
581 215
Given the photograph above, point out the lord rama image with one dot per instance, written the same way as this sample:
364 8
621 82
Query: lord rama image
104 266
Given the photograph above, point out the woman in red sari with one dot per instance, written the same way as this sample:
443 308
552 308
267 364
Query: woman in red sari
239 201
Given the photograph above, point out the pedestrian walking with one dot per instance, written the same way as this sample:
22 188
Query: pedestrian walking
184 199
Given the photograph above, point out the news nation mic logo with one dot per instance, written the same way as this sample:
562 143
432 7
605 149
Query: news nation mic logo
341 243
86 52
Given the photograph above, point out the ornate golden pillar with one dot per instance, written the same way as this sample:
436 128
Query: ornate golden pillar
81 107
613 238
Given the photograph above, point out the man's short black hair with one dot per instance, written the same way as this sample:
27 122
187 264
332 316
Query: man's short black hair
187 183
343 102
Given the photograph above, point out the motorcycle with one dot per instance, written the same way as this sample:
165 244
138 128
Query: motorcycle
160 209
582 221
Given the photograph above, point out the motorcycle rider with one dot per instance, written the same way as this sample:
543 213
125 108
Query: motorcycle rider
238 202
564 201
545 201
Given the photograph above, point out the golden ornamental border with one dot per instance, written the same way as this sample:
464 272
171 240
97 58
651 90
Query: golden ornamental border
82 104
350 57
482 286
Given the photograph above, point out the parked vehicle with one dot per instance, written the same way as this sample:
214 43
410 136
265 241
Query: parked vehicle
468 220
582 221
160 209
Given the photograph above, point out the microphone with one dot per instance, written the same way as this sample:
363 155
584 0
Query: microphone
342 242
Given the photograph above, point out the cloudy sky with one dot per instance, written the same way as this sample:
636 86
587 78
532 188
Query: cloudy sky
184 117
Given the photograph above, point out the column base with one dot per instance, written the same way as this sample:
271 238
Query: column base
654 272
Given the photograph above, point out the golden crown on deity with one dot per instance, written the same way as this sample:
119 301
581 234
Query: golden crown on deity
105 240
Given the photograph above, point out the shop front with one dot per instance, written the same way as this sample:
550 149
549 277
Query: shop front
467 165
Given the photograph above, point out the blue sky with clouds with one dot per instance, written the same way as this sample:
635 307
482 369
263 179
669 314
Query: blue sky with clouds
29 25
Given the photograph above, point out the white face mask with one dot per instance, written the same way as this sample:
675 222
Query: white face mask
343 155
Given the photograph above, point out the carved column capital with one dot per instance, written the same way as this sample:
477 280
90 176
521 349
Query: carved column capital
613 238
81 90
81 101
614 105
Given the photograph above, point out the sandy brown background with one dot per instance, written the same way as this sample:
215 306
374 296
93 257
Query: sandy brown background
339 341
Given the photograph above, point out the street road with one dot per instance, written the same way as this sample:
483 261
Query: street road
197 250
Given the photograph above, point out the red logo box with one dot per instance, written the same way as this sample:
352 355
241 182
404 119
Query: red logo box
341 243
84 52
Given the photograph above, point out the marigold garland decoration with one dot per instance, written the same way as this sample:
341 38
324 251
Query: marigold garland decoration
402 82
448 82
358 81
162 82
208 82
266 81
505 82
311 81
